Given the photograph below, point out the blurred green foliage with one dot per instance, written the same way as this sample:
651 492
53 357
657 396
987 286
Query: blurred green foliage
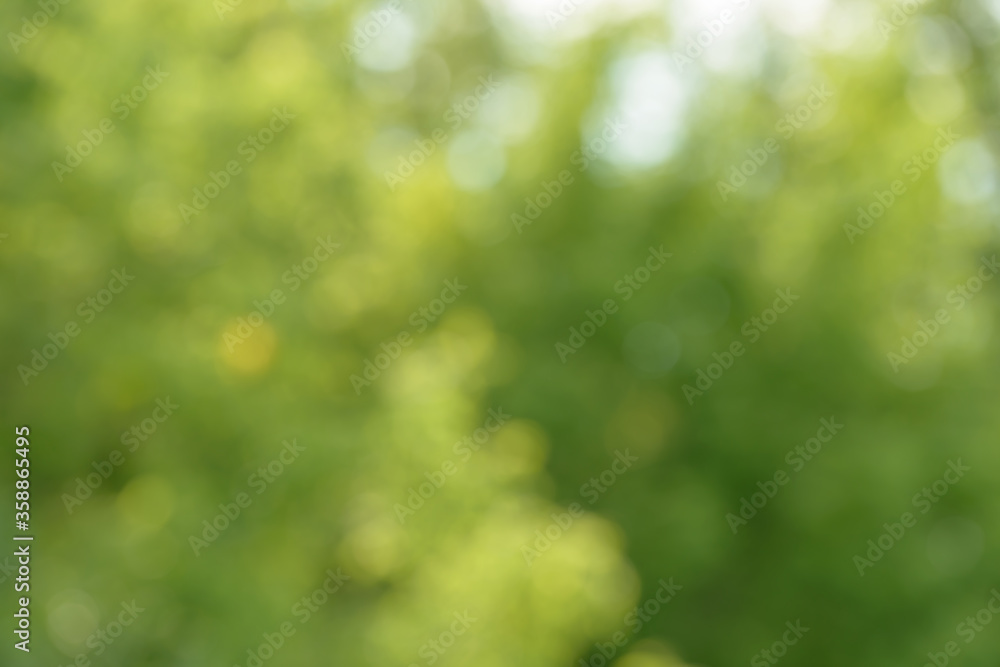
361 108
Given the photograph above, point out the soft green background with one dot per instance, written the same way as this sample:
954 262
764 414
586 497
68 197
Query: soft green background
494 347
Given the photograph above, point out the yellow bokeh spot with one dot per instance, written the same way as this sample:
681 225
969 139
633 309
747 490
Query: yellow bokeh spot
247 354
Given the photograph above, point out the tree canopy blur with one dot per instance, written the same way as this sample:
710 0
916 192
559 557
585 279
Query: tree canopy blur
580 332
